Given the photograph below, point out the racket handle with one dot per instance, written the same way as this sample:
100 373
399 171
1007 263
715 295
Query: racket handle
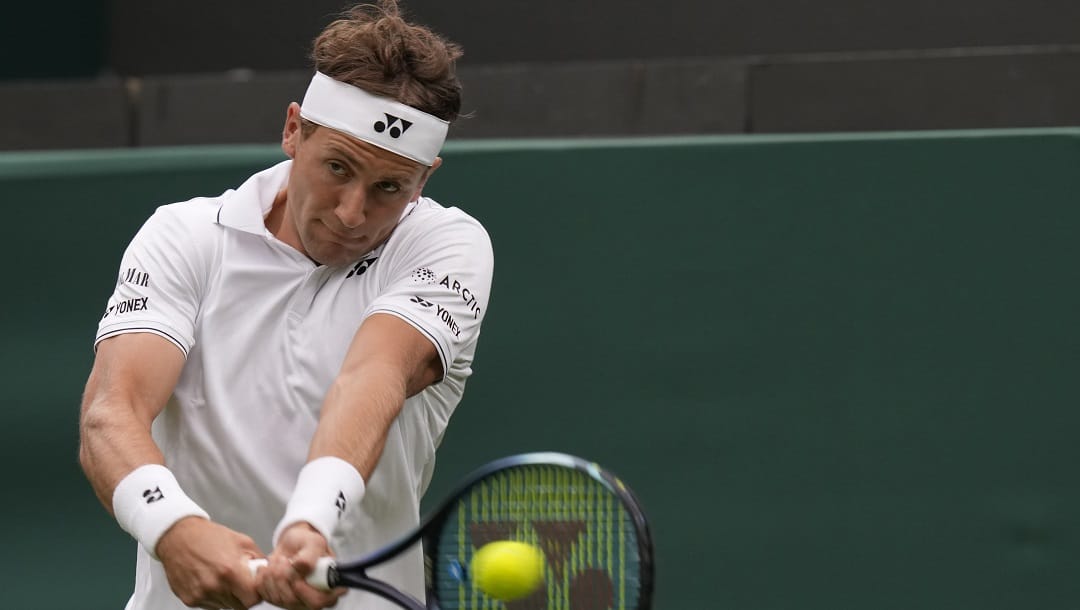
319 577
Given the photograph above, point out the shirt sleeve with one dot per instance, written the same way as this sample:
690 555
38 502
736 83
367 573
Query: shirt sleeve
441 284
161 280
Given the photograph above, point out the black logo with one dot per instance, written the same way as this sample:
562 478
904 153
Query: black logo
465 294
340 504
421 302
423 275
134 276
362 266
448 319
136 304
391 124
153 495
440 312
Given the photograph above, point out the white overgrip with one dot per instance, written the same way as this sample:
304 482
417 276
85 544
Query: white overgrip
319 577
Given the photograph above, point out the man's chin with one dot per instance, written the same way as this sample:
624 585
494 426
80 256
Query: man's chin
335 258
333 254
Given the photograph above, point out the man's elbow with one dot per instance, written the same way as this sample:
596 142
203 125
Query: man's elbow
92 425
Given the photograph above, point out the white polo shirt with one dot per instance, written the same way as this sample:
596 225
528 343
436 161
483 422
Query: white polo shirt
265 331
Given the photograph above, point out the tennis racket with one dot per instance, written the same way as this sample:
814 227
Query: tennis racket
590 527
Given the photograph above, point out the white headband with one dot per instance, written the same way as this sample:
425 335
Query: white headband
377 120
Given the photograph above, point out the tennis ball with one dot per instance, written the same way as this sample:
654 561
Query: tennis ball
507 570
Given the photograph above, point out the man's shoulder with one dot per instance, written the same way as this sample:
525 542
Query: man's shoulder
194 214
429 214
186 225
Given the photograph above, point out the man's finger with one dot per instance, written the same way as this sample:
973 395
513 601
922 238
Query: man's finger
313 598
305 559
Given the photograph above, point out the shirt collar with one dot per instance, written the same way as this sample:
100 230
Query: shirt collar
246 207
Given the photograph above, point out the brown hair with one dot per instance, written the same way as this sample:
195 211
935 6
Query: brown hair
372 47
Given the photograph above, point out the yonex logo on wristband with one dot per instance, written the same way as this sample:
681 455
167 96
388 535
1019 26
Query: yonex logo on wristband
141 488
321 479
390 124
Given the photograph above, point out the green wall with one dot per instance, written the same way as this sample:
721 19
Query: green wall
840 371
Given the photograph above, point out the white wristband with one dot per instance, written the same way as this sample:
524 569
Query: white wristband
326 488
148 501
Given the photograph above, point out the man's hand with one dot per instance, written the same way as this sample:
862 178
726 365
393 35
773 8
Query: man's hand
282 582
207 564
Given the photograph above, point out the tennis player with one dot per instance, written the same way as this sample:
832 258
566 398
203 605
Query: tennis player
278 364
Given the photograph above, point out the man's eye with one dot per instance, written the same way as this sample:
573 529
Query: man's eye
337 168
388 187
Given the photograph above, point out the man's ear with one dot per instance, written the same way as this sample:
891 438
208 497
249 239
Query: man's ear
291 134
427 174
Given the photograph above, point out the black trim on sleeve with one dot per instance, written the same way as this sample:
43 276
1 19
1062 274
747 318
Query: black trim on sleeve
136 329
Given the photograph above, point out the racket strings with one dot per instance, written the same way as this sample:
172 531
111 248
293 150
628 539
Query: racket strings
588 540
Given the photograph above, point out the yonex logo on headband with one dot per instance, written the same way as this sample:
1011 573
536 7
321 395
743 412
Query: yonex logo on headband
372 118
395 132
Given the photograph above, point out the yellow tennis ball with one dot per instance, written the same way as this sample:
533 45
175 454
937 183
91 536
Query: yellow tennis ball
507 570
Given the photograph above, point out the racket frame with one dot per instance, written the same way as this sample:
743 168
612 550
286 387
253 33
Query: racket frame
353 574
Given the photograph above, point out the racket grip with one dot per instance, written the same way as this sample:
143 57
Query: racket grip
319 577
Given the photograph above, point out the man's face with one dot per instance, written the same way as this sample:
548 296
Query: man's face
344 196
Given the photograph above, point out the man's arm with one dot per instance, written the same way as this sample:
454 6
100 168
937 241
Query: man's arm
387 362
132 378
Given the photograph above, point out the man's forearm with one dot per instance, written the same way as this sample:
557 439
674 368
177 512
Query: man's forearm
112 444
357 414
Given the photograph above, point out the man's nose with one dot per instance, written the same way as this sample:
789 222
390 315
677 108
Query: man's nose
350 208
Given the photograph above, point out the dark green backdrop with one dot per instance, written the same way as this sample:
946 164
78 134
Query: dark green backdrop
841 372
